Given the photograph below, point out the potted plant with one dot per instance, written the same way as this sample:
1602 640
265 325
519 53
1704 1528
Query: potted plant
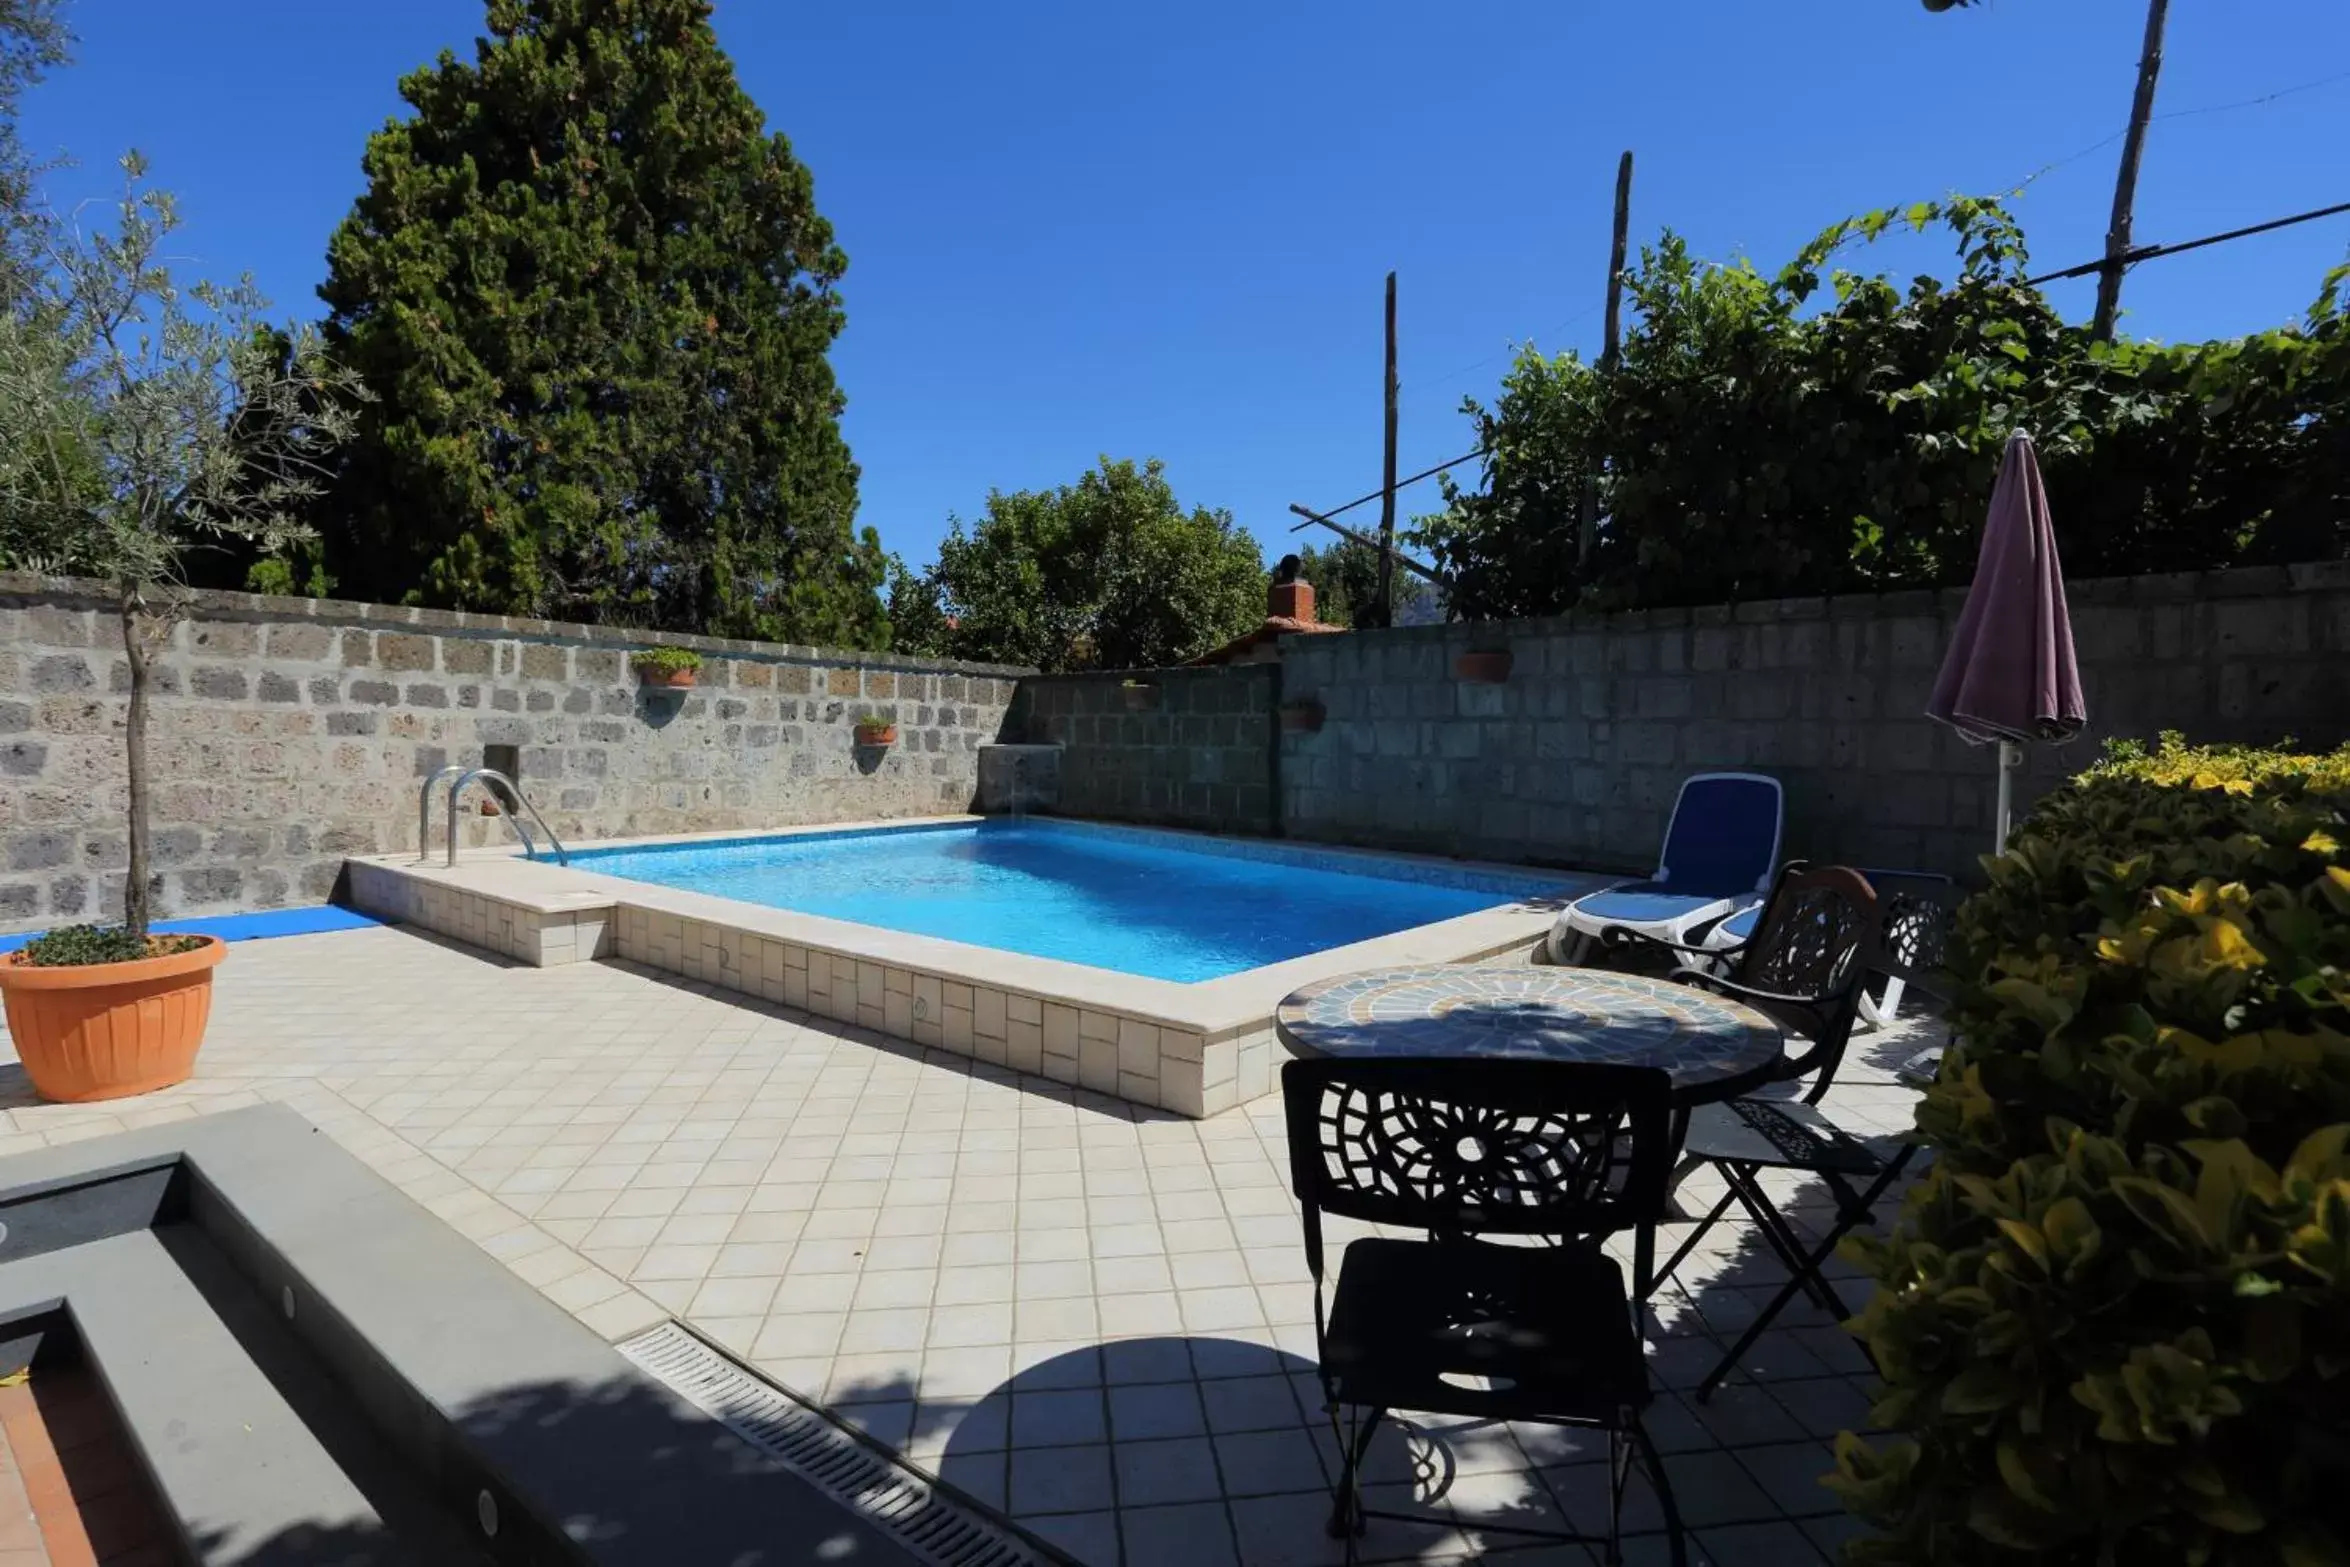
670 668
99 1013
141 417
875 729
1140 695
1488 666
1301 716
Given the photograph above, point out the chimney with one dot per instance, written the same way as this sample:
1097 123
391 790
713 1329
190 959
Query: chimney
1291 600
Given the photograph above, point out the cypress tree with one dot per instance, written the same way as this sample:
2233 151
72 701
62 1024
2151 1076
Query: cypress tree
593 297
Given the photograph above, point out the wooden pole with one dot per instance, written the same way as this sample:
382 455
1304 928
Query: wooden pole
2125 185
1611 342
1386 611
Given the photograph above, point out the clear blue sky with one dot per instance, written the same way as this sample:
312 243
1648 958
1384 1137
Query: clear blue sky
1161 230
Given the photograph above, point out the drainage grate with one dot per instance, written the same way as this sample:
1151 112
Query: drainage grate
939 1526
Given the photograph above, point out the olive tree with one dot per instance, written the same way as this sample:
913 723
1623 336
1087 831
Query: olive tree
143 418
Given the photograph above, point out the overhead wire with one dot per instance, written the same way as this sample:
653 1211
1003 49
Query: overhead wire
2128 258
2180 114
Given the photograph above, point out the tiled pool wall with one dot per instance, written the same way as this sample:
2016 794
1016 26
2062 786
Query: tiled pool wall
521 931
1318 857
1134 1058
1137 1059
1306 856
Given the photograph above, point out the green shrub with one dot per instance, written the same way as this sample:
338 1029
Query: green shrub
72 946
2114 1318
665 660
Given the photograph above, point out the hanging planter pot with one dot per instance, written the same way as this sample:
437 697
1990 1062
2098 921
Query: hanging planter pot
666 668
1487 668
1140 695
876 731
1301 717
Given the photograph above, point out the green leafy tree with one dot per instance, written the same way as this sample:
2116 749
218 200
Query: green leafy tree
1108 573
918 621
1345 578
33 39
1820 431
187 429
594 298
295 564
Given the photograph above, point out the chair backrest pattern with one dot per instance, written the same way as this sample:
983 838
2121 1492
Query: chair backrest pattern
1461 1148
1815 937
1919 911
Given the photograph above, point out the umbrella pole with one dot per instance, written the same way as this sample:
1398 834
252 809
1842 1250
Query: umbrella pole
2011 756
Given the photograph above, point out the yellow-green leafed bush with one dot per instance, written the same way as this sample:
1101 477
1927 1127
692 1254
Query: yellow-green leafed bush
2114 1317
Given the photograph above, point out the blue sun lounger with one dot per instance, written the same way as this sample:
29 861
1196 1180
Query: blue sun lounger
1721 849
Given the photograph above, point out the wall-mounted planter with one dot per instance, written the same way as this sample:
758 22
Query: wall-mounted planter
666 668
1139 696
877 734
1301 718
1482 668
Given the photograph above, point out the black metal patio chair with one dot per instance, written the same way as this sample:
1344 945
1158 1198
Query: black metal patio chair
1744 1137
1459 1323
1803 967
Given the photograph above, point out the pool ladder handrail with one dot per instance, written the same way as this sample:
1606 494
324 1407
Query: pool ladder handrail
467 775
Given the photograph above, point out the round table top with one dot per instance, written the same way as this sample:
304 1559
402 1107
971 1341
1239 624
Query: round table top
1566 1014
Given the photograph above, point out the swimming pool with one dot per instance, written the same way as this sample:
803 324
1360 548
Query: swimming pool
1161 905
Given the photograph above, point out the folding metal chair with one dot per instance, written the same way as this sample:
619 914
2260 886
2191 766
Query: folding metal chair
1745 1137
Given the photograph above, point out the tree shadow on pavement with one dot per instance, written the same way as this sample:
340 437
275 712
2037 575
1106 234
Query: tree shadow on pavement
1216 1452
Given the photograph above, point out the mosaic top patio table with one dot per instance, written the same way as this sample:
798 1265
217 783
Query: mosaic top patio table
1712 1047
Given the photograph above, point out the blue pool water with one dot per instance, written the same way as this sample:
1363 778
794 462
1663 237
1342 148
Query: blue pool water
1154 904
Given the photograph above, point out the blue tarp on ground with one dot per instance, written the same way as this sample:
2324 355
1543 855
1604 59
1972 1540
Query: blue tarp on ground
245 927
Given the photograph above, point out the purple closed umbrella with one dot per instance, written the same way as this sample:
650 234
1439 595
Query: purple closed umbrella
2009 675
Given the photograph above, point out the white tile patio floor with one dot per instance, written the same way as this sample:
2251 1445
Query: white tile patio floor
1093 1316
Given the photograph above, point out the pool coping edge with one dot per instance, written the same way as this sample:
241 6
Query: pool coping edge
1194 1049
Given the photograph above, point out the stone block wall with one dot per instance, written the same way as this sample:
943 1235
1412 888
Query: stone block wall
1194 749
1575 757
288 733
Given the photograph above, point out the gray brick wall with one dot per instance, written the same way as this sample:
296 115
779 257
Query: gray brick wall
1198 751
287 733
291 732
1575 758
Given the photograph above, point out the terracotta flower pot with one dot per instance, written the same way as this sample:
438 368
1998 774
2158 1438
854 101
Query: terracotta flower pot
1482 668
1301 717
877 734
107 1030
666 679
